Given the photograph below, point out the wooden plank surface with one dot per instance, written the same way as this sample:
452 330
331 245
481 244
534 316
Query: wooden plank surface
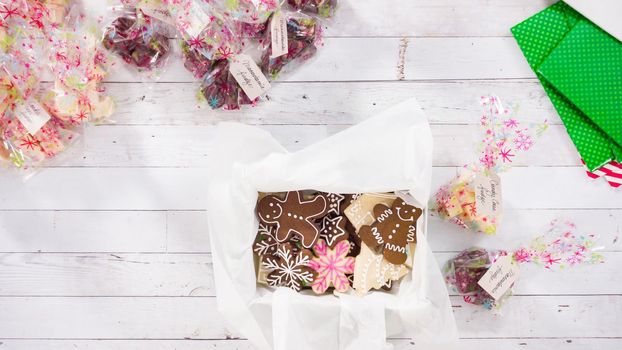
166 275
109 249
192 317
570 343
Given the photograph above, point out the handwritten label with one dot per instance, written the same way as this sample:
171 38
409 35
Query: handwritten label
499 277
249 76
278 30
32 115
487 194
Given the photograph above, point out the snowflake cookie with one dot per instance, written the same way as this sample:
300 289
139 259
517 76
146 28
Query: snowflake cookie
332 266
289 268
265 242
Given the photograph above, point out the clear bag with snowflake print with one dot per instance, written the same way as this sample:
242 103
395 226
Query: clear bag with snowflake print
320 8
246 160
473 198
138 36
560 247
79 64
205 28
30 132
290 40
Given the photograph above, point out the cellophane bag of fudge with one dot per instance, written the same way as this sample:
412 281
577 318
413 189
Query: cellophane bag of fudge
32 131
473 198
288 41
326 247
138 33
486 277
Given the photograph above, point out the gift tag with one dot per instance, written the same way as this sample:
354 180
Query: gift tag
499 277
31 115
249 76
278 30
487 194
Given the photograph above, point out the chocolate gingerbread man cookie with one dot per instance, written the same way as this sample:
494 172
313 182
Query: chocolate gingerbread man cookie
293 216
392 229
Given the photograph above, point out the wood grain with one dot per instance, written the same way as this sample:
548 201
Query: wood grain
109 248
185 189
166 275
162 231
194 318
236 344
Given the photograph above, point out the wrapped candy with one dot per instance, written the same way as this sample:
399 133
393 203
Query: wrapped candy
221 90
247 11
30 134
57 10
195 62
473 198
303 38
37 124
205 29
322 8
79 65
559 248
139 39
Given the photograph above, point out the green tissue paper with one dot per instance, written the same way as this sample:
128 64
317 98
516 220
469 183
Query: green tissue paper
580 67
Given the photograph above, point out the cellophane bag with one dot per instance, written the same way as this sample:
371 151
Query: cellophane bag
79 64
289 40
560 247
211 38
205 29
320 8
219 89
473 198
29 132
138 38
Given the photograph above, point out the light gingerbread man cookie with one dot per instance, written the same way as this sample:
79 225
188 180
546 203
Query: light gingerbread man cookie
293 216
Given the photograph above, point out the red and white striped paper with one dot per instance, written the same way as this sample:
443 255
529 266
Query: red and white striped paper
612 172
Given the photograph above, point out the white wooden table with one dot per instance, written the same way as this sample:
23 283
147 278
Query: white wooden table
109 249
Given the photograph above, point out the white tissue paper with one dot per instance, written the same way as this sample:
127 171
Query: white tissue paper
386 153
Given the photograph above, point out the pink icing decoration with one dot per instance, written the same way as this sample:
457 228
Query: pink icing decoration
332 265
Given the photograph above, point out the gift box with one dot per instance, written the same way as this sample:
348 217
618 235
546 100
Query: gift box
386 153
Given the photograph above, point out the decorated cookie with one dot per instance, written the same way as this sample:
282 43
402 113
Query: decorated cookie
262 271
355 243
372 271
391 229
333 230
334 202
265 242
410 253
361 211
332 266
293 216
289 268
348 199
